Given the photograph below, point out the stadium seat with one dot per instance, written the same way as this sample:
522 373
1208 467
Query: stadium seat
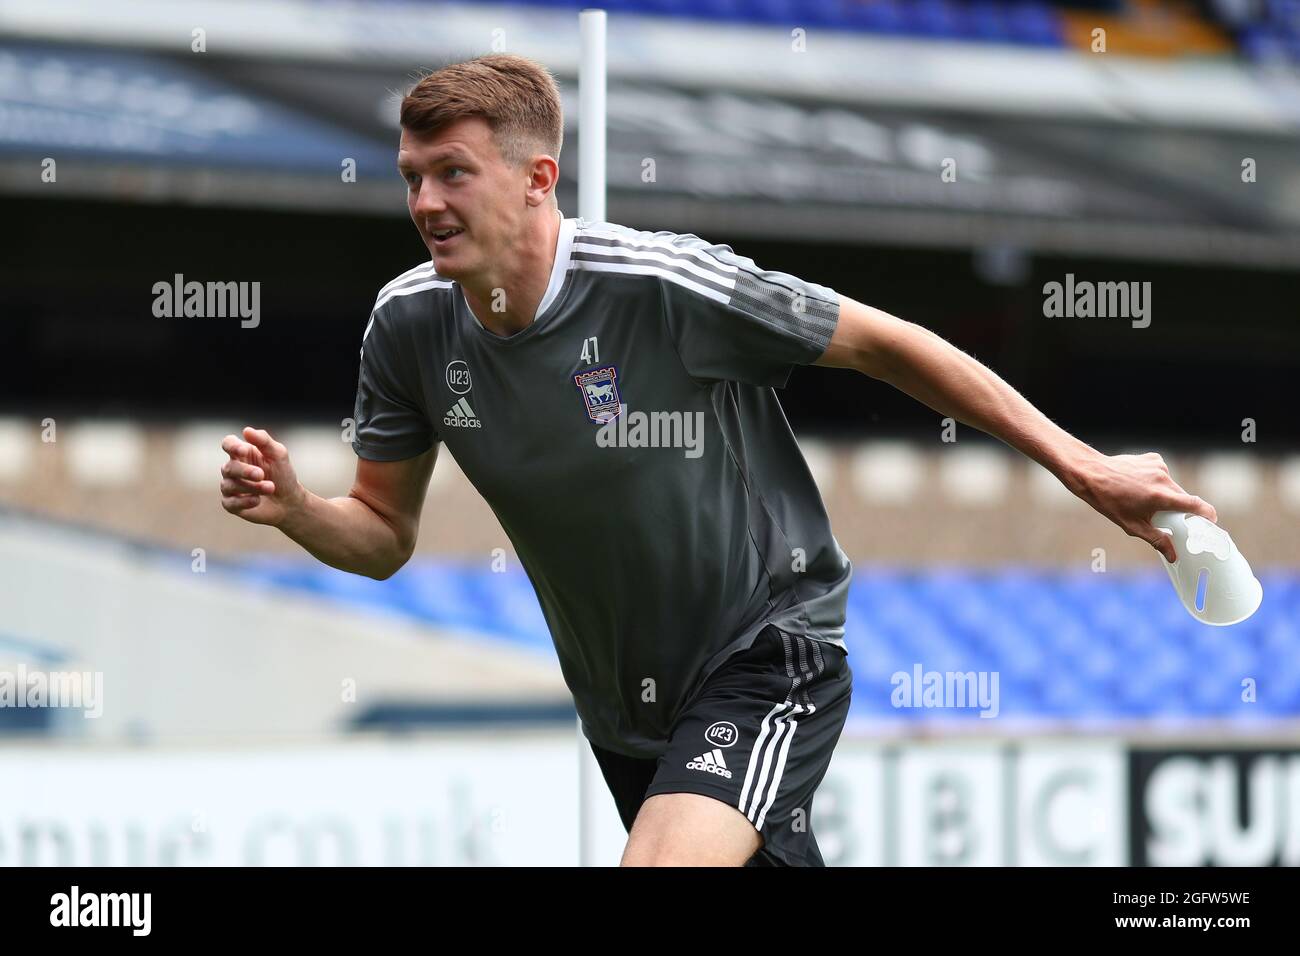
1067 646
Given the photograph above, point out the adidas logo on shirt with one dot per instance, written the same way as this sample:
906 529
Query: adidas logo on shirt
461 415
710 762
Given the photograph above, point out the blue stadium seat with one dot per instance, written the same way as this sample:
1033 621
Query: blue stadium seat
938 19
783 12
988 21
1035 24
880 16
1072 646
1264 44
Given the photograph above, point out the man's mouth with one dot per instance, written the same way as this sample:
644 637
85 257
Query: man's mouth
445 235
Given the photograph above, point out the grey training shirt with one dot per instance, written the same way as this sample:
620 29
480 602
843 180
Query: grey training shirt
630 443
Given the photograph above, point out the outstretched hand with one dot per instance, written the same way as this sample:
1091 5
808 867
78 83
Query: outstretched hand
1130 489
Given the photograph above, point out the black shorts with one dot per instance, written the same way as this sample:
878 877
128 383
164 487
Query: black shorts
758 735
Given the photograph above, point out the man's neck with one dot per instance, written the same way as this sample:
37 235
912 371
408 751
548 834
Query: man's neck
513 308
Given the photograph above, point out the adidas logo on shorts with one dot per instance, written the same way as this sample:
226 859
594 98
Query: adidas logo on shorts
710 762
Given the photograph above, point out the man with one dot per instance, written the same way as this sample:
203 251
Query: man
610 393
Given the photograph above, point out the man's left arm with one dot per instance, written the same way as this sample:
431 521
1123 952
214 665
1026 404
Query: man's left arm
1127 489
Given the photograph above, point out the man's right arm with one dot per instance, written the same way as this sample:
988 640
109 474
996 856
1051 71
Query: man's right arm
371 531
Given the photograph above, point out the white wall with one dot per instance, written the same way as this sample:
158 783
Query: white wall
187 654
493 798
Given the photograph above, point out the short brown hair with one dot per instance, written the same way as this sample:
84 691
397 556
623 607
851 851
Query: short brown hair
517 96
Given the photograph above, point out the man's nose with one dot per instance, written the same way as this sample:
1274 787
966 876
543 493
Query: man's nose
429 201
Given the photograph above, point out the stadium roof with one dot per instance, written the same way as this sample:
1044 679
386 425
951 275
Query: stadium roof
147 126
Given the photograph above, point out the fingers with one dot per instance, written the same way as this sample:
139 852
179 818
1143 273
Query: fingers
241 469
265 443
1158 540
241 450
238 486
241 478
256 444
1166 547
1141 486
244 480
1197 506
237 504
1180 500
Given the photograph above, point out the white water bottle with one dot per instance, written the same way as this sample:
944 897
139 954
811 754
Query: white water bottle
1231 591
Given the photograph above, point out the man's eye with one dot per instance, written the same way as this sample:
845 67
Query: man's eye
412 179
454 169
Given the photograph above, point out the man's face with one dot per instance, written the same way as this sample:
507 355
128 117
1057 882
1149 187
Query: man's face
456 179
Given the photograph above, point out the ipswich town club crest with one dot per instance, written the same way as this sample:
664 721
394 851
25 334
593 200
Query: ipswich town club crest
599 387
